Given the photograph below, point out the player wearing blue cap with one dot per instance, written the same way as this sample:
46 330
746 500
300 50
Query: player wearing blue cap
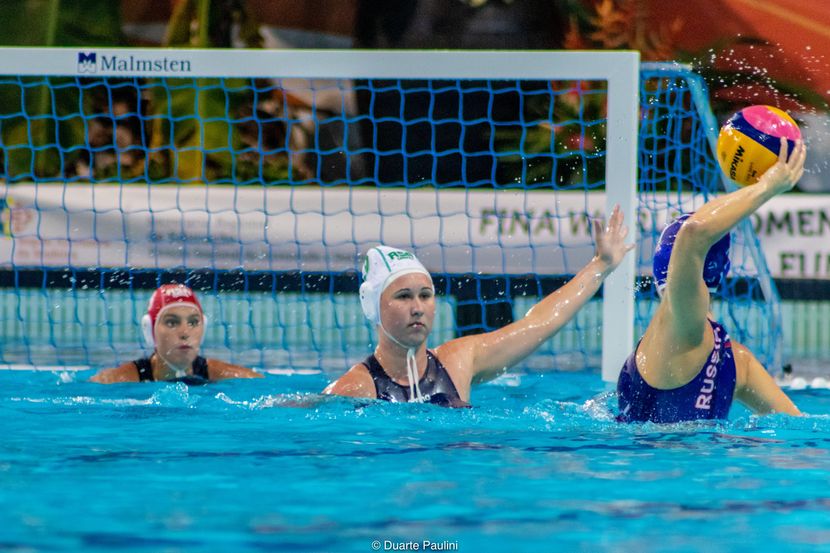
397 295
685 366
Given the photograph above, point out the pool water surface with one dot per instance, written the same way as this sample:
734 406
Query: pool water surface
539 464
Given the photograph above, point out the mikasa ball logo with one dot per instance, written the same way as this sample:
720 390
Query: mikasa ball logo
94 62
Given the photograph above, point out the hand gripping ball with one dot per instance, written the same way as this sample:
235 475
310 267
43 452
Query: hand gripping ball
750 140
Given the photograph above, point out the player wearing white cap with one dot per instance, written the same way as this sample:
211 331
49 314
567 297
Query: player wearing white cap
398 296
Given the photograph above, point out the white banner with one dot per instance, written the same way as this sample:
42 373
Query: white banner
794 231
285 228
327 228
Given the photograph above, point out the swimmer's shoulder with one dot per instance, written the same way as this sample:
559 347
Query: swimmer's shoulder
126 372
221 370
745 363
357 382
458 359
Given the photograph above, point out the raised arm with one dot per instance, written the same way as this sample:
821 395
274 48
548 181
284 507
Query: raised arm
686 292
492 353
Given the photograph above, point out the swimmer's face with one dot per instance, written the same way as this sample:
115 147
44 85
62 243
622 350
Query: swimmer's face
179 333
407 309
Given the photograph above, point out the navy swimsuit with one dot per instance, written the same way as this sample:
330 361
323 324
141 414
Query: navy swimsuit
707 396
199 376
436 385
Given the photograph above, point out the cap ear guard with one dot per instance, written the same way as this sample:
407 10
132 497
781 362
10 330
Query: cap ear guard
717 264
147 331
368 303
663 250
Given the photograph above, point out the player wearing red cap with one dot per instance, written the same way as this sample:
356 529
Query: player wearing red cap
174 325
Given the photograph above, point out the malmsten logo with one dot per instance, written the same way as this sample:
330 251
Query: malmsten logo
87 63
92 62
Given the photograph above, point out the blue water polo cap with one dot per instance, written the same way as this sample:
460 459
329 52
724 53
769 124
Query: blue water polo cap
715 266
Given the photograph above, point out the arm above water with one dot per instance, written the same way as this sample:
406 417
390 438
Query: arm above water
123 373
220 370
357 382
687 295
756 388
485 356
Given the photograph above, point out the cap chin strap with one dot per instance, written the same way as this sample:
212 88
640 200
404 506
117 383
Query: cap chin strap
411 369
177 373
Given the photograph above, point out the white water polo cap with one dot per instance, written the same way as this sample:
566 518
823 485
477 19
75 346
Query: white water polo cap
381 267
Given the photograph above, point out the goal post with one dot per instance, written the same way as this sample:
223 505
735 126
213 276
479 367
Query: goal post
622 190
261 175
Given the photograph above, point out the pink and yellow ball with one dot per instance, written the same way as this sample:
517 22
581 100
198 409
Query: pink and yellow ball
750 140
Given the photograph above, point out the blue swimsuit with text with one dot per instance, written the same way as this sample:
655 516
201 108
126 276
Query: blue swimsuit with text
707 396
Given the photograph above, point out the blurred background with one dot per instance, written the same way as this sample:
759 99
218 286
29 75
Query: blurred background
749 52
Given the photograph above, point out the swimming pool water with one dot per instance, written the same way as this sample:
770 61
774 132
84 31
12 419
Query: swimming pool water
269 465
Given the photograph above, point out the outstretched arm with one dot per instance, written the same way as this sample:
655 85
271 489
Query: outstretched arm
687 294
494 352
